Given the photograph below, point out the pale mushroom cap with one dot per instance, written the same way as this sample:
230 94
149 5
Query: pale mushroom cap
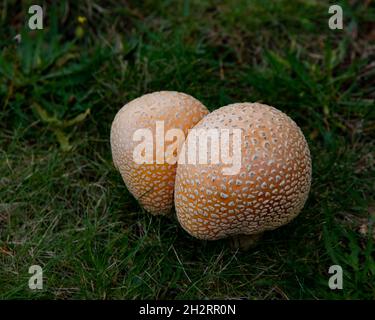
151 184
268 191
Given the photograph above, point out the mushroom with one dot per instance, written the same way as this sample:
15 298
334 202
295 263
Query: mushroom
269 188
162 120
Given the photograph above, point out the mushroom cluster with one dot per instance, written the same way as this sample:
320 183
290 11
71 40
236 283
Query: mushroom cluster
267 190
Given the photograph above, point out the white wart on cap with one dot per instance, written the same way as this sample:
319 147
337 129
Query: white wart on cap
152 184
268 191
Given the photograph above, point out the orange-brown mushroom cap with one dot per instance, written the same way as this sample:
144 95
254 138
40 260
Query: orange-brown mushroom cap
269 189
152 184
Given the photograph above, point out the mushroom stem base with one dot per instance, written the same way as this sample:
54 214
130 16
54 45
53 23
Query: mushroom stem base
244 242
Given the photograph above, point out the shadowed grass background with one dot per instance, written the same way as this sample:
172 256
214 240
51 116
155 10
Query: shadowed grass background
64 206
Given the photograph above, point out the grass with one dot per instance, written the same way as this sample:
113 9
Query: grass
64 206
